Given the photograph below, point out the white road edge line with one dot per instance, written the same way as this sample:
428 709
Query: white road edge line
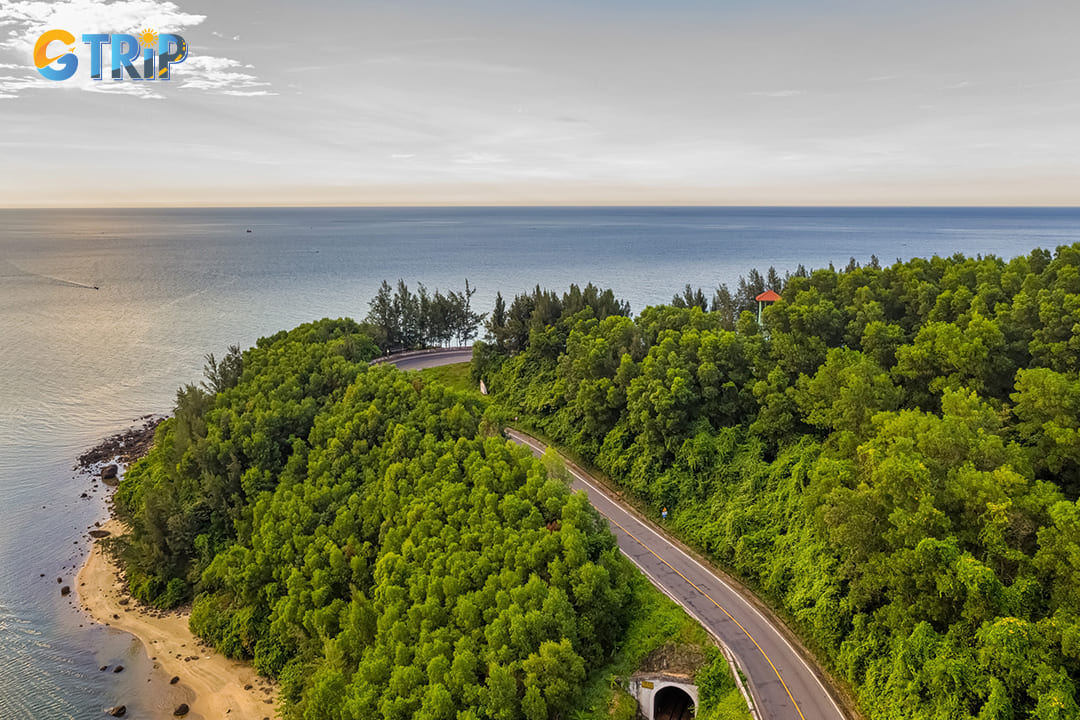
529 441
752 703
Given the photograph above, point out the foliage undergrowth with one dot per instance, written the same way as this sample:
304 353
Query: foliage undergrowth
891 457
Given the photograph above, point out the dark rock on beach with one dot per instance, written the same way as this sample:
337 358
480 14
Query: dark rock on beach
117 711
181 710
100 533
125 447
109 472
65 591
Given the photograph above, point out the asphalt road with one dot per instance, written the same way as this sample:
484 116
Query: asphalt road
782 684
419 361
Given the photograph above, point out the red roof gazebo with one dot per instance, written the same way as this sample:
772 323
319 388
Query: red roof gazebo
766 298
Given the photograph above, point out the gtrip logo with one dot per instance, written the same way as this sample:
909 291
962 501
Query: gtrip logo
158 53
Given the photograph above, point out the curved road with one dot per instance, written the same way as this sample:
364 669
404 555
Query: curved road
783 685
426 358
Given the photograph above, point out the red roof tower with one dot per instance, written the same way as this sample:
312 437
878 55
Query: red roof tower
766 298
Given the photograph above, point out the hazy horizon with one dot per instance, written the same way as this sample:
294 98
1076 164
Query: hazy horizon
844 103
553 205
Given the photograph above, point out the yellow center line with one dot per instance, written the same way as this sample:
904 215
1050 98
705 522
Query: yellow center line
707 595
718 605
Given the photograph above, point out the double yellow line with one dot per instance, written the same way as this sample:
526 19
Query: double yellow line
718 605
690 582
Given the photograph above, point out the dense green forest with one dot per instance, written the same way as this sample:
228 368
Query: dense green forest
371 540
400 319
891 458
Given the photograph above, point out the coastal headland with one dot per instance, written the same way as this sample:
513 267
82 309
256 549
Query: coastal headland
181 669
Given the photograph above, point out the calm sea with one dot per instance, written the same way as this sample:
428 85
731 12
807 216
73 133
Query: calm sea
78 363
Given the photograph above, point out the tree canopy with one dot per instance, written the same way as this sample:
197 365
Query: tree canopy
372 540
889 458
403 320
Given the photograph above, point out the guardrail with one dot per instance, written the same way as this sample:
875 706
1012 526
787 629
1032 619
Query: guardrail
418 353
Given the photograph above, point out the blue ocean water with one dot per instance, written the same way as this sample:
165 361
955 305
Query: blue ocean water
78 363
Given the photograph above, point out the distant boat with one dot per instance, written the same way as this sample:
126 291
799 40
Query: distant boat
249 229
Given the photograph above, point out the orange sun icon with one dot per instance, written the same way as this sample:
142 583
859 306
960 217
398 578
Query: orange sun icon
148 39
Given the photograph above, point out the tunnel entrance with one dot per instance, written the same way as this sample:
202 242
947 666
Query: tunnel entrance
672 703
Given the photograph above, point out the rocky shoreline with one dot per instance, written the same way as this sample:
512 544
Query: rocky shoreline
177 685
122 448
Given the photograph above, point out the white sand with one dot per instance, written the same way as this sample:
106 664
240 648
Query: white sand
213 685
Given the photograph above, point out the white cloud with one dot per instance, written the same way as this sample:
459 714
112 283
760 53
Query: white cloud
30 18
11 85
206 72
126 88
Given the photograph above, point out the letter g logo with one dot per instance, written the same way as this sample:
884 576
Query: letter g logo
68 62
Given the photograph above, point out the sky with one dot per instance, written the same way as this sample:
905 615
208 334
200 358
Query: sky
507 102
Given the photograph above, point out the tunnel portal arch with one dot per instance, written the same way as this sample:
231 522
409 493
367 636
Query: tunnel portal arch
672 702
664 697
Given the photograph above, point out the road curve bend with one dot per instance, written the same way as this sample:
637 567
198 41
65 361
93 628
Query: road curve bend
782 683
423 359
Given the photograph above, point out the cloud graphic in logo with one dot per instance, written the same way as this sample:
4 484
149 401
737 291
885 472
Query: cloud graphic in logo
26 20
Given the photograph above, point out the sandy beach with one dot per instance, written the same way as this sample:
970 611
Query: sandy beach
212 685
